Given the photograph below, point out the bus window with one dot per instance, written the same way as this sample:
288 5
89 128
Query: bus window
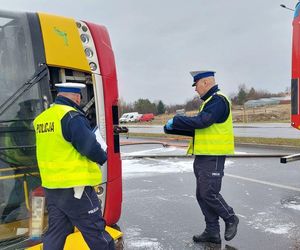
18 171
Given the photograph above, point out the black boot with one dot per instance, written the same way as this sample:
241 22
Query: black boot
207 237
231 228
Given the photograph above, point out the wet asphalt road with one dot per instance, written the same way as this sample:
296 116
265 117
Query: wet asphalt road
160 209
269 130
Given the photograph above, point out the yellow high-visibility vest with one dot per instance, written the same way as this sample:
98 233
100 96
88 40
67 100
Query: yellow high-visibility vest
60 164
216 139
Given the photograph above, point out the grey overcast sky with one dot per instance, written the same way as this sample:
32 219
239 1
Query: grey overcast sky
157 42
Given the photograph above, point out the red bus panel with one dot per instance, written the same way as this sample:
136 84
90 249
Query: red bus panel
107 66
295 116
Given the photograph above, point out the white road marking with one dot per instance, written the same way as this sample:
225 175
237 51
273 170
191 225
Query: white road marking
263 182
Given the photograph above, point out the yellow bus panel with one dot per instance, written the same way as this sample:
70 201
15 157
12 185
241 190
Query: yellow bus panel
75 240
63 47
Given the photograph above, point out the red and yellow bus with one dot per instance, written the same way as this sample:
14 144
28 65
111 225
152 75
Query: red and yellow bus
38 50
295 90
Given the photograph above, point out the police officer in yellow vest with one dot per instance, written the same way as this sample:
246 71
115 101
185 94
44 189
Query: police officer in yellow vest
68 155
212 133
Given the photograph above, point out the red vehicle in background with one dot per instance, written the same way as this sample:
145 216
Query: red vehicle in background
147 117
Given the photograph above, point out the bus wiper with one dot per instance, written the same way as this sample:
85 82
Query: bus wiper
15 120
17 147
14 243
39 74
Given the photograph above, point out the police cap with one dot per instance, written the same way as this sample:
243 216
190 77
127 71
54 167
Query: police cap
197 75
71 87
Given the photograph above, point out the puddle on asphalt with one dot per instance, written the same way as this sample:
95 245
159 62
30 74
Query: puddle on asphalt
270 222
135 241
135 168
291 202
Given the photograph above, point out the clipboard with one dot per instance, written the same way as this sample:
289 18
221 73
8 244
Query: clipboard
99 138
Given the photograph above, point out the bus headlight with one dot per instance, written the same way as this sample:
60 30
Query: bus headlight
84 28
93 66
100 190
78 25
88 52
84 38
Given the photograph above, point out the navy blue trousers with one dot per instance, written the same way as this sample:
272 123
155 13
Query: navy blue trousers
209 171
65 212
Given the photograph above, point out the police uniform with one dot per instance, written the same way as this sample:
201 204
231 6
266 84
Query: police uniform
68 156
212 139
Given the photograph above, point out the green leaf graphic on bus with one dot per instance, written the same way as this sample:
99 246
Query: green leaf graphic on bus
63 34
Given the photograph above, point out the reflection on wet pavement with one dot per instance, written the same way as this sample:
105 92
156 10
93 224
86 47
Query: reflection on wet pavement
208 246
160 209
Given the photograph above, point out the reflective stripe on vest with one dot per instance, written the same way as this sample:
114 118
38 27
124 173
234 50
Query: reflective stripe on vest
216 139
60 164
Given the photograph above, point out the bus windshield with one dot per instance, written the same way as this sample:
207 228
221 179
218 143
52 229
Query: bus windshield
16 60
18 169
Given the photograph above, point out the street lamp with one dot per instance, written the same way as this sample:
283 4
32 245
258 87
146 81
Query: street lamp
283 6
